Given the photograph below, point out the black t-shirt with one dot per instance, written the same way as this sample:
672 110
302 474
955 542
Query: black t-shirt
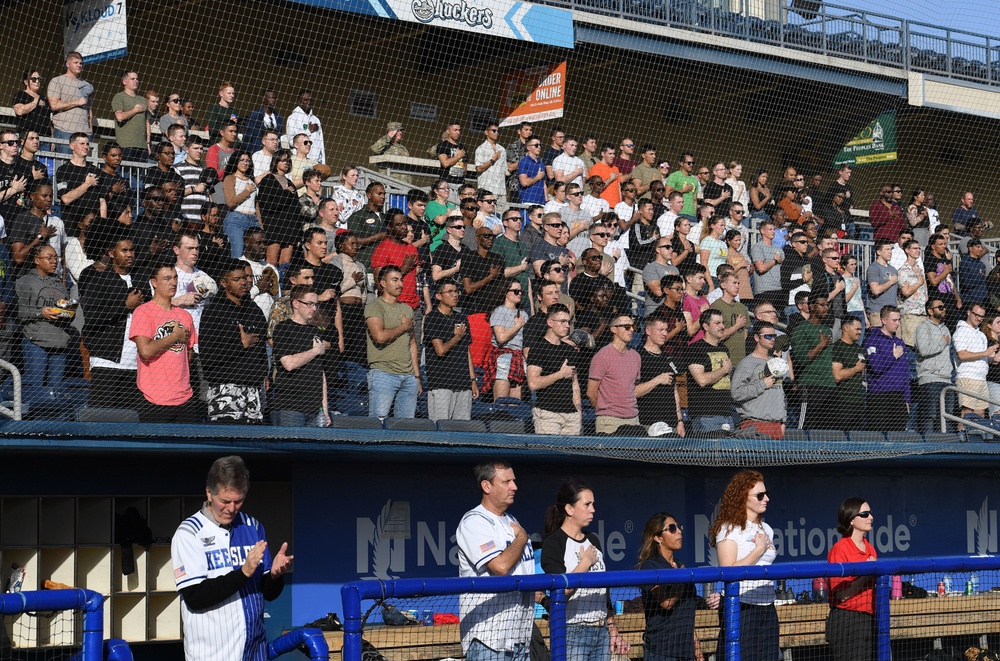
456 173
69 177
823 283
23 228
934 264
535 329
9 206
325 276
212 256
677 345
845 190
116 202
450 371
669 633
713 191
659 404
558 397
717 398
445 256
476 268
301 389
27 169
37 120
223 355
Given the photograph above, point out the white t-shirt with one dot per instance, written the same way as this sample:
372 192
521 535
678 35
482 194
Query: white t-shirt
494 177
967 338
499 621
666 223
261 163
185 285
567 164
760 593
595 205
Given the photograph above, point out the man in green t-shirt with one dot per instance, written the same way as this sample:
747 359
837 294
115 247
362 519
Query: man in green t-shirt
813 359
394 374
849 373
514 253
131 129
682 181
735 316
646 172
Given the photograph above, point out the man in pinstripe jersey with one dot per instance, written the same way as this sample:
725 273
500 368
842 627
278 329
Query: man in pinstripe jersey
224 571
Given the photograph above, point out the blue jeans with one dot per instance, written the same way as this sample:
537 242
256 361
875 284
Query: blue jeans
480 652
287 418
707 423
929 407
234 225
587 643
43 370
385 388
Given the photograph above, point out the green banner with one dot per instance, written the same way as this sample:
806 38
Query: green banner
875 144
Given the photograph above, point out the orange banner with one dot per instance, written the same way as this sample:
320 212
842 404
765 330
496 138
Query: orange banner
532 95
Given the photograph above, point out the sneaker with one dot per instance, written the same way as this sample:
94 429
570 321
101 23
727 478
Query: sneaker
329 623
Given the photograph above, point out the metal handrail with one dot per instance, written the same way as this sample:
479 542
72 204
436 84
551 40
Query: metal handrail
945 416
14 413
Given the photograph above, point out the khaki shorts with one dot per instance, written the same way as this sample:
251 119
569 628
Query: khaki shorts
976 386
550 423
908 328
874 320
606 424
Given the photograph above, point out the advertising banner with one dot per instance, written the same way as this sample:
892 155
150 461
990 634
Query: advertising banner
95 28
875 144
532 95
499 18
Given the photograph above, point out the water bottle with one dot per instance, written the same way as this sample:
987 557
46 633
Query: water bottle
897 587
947 583
974 579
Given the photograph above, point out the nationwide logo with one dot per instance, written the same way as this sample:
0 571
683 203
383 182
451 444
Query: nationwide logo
981 530
459 11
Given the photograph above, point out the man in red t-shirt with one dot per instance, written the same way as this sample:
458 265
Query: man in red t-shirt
165 336
611 176
396 251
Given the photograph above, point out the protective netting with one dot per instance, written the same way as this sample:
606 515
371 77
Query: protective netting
653 219
45 636
944 614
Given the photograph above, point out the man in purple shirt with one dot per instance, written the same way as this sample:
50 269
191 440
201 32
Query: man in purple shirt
888 375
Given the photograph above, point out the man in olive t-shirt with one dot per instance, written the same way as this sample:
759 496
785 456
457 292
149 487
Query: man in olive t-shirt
394 374
813 361
131 130
848 362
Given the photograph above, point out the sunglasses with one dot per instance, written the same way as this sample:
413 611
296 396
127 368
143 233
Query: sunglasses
489 236
673 528
865 514
535 144
606 235
594 258
557 269
628 144
687 162
307 142
769 336
470 208
628 326
629 190
553 224
456 227
511 218
10 143
174 101
936 307
493 201
760 495
515 291
738 213
579 193
35 79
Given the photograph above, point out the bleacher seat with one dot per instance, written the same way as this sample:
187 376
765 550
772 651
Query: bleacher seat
827 436
354 422
904 437
90 414
866 437
505 426
942 437
796 435
410 424
474 426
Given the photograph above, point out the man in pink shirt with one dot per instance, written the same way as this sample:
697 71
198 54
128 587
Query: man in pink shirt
165 336
614 371
694 303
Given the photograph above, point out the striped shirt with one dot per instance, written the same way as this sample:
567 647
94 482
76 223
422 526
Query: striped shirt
191 204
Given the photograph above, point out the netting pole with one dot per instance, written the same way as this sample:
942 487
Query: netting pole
93 628
883 590
116 649
350 598
312 640
557 624
732 620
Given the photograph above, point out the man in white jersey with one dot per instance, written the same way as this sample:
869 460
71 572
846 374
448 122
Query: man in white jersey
224 571
495 627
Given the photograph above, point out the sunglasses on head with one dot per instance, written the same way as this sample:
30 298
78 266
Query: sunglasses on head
760 495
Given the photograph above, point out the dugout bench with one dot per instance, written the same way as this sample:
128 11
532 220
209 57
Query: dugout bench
801 626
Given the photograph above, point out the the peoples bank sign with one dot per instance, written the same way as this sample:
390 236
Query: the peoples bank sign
511 19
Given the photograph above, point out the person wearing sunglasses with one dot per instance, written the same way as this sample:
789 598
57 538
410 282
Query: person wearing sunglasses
548 248
591 632
531 174
742 538
850 626
301 161
31 108
758 393
504 363
614 371
670 609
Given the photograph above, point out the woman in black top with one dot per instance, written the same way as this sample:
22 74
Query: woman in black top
685 252
31 108
279 209
669 608
591 633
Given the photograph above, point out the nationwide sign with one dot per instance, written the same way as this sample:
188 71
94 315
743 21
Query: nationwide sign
512 19
875 144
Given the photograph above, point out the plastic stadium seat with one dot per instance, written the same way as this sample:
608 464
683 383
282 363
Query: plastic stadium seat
475 426
354 422
89 414
942 437
827 435
505 426
410 424
796 435
904 437
866 437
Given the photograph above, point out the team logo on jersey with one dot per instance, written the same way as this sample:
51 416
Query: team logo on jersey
208 541
166 329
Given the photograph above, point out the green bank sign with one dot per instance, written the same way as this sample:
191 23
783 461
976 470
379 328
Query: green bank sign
875 144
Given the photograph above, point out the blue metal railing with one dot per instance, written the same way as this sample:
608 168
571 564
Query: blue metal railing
353 593
835 30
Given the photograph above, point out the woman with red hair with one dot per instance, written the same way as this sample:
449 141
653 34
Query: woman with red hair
743 539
